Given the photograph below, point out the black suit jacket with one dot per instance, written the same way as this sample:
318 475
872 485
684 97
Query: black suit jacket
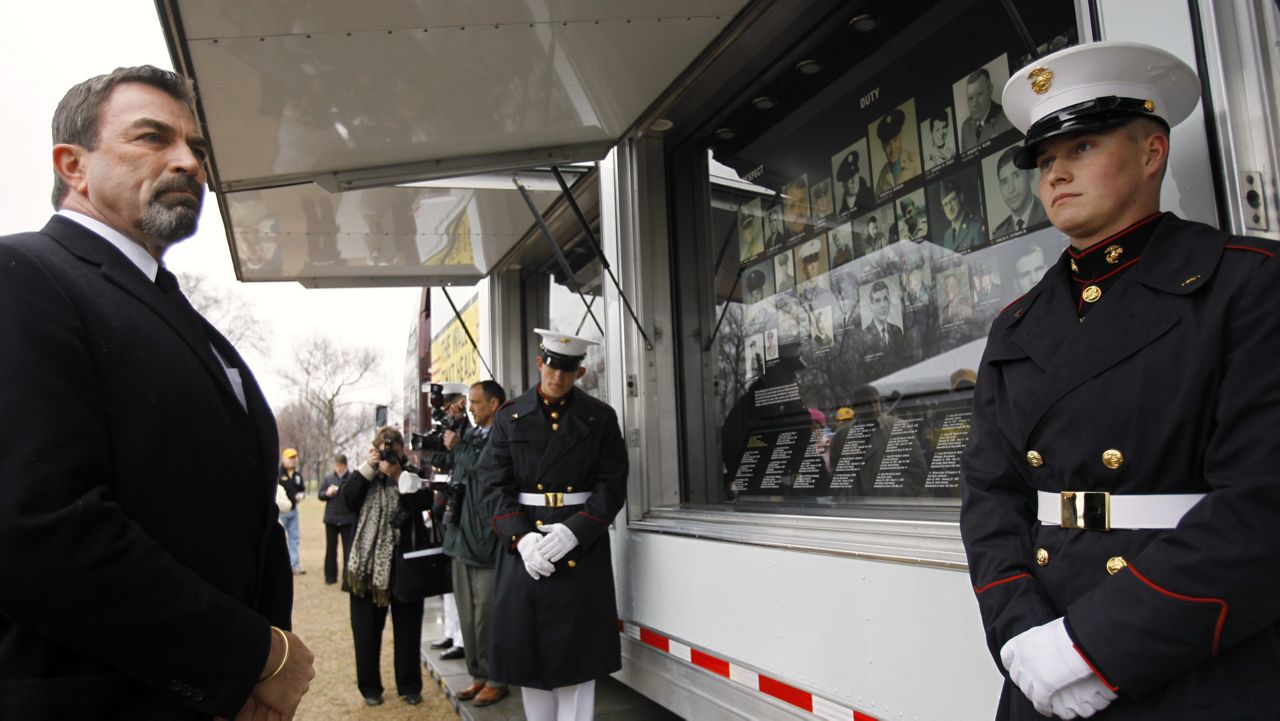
142 562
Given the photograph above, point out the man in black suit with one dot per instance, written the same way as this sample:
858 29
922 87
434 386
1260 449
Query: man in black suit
1025 209
132 591
880 335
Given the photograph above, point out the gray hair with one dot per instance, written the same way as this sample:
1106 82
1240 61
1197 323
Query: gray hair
75 121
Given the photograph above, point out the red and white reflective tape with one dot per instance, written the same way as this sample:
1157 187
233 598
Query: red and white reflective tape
805 701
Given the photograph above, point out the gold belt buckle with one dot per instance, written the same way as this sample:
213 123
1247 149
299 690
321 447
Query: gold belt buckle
554 500
1086 510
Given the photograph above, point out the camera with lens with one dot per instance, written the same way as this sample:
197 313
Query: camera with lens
441 421
389 454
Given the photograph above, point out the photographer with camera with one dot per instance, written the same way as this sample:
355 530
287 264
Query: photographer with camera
388 497
469 541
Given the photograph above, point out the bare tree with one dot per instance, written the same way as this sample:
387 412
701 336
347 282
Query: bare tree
299 429
322 375
228 311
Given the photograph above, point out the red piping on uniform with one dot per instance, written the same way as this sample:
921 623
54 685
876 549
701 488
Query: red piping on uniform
1222 615
1096 672
1267 253
790 694
1015 300
1108 275
597 519
1072 252
1014 577
720 667
507 515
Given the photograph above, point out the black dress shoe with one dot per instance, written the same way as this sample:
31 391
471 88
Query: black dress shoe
372 700
413 699
454 654
442 643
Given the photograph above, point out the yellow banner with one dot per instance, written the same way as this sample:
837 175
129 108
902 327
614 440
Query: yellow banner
453 360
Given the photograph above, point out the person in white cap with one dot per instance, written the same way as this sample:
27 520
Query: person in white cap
1121 509
555 475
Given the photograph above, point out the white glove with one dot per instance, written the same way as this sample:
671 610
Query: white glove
1041 661
558 541
1081 699
535 564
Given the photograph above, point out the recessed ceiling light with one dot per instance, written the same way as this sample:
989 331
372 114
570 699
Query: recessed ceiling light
764 102
662 125
809 67
725 133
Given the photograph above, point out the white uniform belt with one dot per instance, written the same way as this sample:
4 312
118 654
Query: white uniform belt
1101 511
555 500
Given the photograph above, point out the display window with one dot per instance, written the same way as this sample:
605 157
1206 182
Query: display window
880 226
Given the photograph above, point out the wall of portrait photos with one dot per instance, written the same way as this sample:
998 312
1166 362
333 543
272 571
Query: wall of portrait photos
881 227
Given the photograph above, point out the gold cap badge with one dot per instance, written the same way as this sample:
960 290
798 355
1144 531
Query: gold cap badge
1041 78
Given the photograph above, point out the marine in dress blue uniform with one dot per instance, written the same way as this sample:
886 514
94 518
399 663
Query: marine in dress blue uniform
1121 509
555 475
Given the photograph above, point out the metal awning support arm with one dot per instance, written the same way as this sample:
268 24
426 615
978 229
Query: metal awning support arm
555 248
466 330
595 246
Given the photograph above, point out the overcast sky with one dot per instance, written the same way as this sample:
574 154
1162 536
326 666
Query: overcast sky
48 47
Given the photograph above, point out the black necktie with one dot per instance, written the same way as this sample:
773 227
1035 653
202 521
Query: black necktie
168 283
1021 223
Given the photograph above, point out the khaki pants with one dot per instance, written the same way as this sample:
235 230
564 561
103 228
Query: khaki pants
473 590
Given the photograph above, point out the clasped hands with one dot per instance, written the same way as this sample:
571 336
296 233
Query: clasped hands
1045 665
541 552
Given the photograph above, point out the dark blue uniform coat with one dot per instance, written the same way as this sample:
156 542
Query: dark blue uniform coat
1177 367
563 629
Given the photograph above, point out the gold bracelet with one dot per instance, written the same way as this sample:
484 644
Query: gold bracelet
283 661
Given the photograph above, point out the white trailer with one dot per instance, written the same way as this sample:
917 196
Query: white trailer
387 143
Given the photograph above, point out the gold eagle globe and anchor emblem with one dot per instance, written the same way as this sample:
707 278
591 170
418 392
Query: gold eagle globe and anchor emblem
1041 78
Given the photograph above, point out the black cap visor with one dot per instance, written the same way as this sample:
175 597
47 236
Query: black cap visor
1087 117
559 361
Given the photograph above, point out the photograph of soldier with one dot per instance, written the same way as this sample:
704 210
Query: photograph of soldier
784 272
882 336
853 181
871 231
770 345
917 284
774 238
820 195
954 303
863 443
985 282
795 205
823 335
757 282
938 138
913 222
786 311
844 296
813 259
897 154
758 315
753 361
1019 209
750 233
981 118
1029 264
840 244
956 212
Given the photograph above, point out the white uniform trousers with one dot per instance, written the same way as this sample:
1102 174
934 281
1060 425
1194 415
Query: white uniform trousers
567 703
452 627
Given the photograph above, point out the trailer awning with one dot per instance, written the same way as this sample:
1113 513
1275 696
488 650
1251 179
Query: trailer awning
319 111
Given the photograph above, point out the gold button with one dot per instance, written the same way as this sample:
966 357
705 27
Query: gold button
1115 563
538 523
1091 294
555 426
573 564
1149 106
568 489
513 539
1113 459
515 416
539 486
555 414
1034 459
1042 557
